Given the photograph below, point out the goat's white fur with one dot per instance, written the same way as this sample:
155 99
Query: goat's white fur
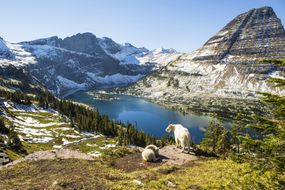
181 135
150 153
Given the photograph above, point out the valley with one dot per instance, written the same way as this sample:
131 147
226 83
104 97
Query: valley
76 112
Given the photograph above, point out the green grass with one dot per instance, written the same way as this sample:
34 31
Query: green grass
33 147
42 117
279 62
13 155
81 174
98 142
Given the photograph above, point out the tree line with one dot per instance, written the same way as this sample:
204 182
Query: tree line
85 119
257 139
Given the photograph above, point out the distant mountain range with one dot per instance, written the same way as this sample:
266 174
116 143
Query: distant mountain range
83 61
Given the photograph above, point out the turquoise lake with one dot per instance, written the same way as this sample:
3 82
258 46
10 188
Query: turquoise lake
147 116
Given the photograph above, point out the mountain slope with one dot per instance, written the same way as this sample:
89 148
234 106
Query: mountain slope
82 62
227 66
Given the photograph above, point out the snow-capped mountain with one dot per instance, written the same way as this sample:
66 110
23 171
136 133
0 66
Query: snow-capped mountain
80 62
163 50
226 66
4 50
15 54
127 54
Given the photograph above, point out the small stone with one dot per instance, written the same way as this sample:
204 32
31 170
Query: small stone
138 182
143 176
170 184
54 184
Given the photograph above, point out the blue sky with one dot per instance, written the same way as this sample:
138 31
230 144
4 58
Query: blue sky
184 25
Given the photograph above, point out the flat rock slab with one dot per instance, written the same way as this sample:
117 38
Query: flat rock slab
53 154
173 156
168 155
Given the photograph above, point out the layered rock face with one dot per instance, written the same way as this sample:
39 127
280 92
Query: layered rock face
227 66
257 33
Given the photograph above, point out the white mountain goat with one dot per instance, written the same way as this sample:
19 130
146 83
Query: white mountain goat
181 135
150 153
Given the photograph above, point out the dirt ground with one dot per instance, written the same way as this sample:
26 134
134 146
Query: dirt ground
168 155
52 154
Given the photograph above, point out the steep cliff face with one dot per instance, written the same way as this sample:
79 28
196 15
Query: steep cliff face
226 66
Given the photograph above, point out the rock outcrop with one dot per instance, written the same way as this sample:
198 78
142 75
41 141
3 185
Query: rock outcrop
52 154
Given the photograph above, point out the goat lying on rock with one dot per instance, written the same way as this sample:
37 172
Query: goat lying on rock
150 153
181 135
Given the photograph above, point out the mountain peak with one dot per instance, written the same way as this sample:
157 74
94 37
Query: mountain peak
83 42
5 51
83 35
51 41
265 8
257 33
163 50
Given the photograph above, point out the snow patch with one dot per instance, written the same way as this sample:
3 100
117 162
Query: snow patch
69 83
95 153
277 74
108 146
115 79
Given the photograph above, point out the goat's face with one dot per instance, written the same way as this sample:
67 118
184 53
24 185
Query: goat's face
169 128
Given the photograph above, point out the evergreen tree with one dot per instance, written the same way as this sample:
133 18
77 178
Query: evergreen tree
216 137
3 128
236 131
13 140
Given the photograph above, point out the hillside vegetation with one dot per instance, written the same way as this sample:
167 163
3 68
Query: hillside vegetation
249 156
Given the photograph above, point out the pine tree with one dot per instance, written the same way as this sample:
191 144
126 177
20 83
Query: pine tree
216 136
3 128
236 131
13 140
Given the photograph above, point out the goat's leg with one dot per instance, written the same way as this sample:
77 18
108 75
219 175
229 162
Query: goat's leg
177 142
188 143
183 147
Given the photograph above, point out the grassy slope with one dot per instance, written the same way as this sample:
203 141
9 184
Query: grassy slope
76 174
80 174
57 133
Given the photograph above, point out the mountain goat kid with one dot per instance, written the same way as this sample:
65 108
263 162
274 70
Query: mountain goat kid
150 153
181 135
